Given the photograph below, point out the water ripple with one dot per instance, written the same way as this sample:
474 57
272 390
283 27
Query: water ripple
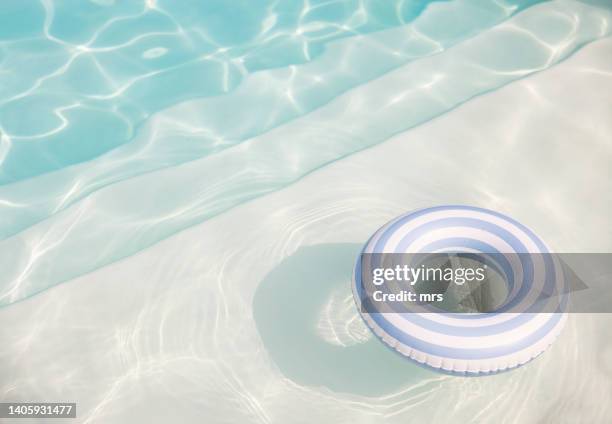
121 219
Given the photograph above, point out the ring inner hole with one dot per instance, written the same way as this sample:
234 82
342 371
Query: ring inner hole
472 296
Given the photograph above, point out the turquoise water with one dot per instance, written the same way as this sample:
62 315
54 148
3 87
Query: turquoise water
175 163
77 68
101 105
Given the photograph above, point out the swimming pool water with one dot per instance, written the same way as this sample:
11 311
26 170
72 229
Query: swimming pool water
167 159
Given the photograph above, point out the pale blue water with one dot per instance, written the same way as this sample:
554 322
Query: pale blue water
137 60
101 103
74 69
126 125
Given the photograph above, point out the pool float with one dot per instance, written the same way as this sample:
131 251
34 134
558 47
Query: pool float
521 328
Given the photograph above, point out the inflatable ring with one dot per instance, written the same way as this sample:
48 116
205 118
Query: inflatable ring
471 343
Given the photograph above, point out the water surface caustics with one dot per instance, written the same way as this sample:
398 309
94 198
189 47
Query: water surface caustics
262 101
190 327
55 233
174 333
79 77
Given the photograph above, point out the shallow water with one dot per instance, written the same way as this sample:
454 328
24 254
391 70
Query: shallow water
338 352
201 177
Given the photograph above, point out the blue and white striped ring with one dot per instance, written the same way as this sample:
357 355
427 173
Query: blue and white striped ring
477 343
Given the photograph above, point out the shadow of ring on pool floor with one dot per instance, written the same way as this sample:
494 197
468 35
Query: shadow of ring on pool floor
286 309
